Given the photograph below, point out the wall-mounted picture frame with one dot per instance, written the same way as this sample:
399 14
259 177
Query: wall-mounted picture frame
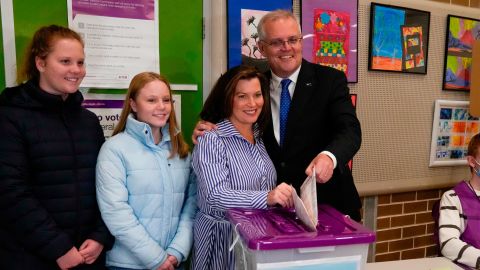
242 20
461 35
452 129
330 30
398 39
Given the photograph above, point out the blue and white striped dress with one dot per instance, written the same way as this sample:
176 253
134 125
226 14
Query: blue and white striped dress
231 172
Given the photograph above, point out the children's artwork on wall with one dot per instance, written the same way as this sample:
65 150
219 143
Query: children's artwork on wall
461 35
249 20
330 34
331 39
452 129
413 55
398 39
242 21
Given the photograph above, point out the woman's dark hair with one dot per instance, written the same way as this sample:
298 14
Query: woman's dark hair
219 103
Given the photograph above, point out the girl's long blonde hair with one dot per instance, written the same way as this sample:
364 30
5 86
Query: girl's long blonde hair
179 146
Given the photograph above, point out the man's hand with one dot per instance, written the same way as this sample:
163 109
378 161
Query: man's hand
70 259
200 128
323 168
90 250
282 195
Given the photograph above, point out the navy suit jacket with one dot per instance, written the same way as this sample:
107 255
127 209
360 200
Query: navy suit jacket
321 117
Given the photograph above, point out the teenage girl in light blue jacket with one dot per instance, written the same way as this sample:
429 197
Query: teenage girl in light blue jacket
145 186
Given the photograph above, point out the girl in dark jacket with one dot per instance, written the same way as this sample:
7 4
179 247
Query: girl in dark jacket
48 149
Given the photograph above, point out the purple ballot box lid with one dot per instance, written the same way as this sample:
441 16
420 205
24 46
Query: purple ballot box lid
279 228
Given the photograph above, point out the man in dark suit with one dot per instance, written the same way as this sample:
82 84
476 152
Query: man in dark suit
321 129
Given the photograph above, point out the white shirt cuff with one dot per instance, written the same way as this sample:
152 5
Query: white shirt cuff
329 154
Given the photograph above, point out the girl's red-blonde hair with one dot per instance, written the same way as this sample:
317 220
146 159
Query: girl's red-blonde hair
41 46
179 146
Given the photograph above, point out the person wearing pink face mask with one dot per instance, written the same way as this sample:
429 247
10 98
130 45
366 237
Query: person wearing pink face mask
459 222
48 151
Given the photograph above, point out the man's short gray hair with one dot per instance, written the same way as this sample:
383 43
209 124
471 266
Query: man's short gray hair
273 16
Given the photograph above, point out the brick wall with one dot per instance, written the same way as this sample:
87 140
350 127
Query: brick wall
404 225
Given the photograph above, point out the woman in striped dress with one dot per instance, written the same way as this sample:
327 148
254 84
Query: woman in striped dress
232 166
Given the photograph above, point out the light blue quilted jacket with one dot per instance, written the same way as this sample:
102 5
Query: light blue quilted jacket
147 201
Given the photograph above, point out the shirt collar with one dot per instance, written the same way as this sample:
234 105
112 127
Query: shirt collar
227 129
277 80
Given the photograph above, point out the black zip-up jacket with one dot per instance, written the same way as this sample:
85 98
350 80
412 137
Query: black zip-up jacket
48 152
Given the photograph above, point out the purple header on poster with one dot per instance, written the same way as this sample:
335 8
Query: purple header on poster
102 104
127 9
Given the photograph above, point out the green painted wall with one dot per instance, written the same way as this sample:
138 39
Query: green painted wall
181 54
180 36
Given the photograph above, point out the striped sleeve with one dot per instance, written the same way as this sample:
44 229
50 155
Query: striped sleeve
214 182
451 226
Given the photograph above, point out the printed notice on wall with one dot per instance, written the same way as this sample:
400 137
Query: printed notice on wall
121 39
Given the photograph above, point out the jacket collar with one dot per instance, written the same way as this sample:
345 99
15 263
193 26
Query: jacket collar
54 101
30 95
143 132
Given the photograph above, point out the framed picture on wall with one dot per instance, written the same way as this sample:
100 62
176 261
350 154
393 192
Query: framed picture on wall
330 34
398 39
242 36
452 129
461 34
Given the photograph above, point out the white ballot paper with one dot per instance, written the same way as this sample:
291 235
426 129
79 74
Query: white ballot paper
306 205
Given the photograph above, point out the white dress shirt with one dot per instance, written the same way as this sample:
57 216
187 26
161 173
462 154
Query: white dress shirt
275 92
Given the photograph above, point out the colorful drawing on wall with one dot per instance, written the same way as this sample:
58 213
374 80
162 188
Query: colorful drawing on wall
413 55
242 20
331 38
452 129
461 34
250 19
330 34
398 39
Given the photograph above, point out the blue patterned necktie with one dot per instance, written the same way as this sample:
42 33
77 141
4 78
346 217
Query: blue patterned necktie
284 107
